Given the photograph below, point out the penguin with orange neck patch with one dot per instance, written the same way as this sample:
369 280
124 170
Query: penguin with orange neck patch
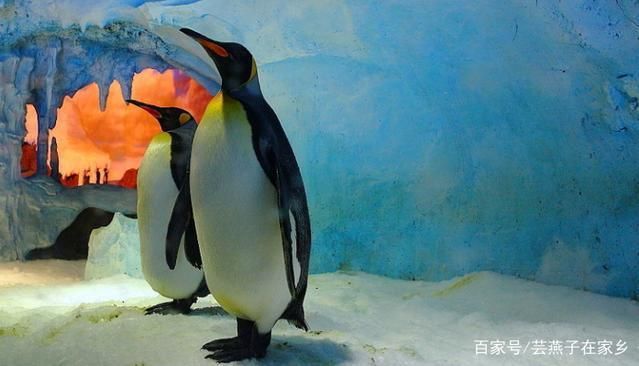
162 203
249 206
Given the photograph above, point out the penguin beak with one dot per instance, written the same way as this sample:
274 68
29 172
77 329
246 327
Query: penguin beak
147 107
207 43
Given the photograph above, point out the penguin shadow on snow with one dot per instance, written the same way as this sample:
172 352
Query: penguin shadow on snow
306 350
209 311
293 350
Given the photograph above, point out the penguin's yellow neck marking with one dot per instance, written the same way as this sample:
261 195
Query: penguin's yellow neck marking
161 138
223 104
253 71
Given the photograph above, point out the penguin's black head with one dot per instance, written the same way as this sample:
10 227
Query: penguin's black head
234 62
169 118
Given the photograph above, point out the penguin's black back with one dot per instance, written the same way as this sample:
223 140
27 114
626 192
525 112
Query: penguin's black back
277 159
181 142
181 221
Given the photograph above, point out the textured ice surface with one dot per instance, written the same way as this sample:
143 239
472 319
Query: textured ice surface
355 319
48 50
114 249
435 138
441 138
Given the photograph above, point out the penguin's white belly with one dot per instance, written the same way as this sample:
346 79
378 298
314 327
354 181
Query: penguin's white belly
156 197
235 208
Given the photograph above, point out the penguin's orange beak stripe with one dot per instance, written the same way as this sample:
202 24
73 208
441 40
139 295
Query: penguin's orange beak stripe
151 111
217 49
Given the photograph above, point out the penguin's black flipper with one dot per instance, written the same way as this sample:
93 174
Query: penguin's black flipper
285 229
295 229
294 219
191 246
182 222
181 217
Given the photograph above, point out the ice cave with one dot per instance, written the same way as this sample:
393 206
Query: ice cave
470 171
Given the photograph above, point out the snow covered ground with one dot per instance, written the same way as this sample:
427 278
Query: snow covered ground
49 315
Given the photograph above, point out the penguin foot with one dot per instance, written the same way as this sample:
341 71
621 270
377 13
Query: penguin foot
179 306
249 343
230 355
225 343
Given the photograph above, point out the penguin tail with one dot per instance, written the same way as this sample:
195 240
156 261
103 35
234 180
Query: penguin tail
202 290
294 314
301 324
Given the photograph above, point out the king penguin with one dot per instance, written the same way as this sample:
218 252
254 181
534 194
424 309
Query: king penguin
162 203
249 206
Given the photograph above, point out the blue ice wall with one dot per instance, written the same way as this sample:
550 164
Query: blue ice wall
438 138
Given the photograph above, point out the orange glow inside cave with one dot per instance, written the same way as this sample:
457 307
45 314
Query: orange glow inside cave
89 139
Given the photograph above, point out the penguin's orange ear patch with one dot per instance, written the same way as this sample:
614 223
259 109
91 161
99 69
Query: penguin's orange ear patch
215 48
184 118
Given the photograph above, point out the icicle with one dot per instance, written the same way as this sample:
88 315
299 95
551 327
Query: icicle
21 83
50 59
104 93
126 83
46 102
123 74
13 95
9 90
52 116
23 73
43 142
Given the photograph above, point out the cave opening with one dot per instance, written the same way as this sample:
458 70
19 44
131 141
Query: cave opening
99 140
